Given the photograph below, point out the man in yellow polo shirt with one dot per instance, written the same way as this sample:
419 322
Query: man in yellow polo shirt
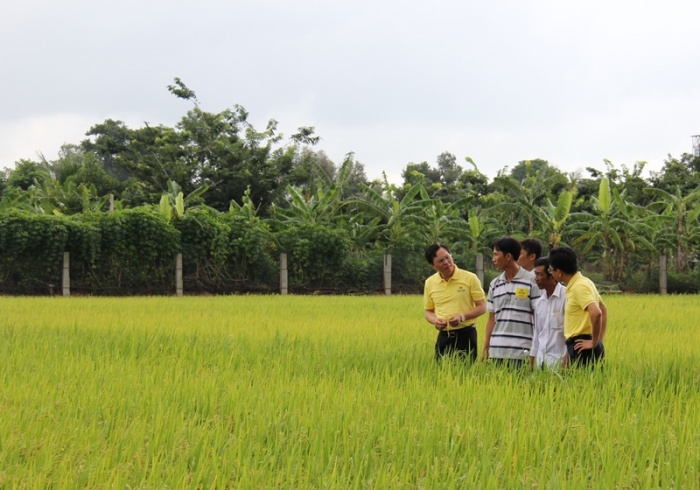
453 299
585 314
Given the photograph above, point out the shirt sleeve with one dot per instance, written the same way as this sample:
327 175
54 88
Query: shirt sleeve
535 332
489 300
588 296
476 290
427 298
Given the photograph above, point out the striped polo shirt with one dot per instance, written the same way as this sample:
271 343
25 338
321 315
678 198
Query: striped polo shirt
513 305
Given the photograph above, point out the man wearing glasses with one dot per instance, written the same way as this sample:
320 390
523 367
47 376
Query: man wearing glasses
585 315
453 299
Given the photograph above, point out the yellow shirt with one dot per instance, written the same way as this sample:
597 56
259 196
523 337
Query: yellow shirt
452 297
580 294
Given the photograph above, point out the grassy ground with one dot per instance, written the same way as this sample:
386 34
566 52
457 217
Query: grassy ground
332 392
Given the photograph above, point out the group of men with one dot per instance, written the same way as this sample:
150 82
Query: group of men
541 310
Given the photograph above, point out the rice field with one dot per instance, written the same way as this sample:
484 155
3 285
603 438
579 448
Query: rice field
332 392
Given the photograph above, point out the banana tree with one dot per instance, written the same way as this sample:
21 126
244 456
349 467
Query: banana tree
517 203
444 222
323 204
684 211
398 219
482 230
173 202
613 227
323 207
555 216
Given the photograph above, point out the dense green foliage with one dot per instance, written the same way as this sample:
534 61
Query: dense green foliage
232 198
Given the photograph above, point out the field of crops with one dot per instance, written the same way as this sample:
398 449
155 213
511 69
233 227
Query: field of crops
332 392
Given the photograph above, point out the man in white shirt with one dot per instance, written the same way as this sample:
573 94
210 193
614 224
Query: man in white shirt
548 341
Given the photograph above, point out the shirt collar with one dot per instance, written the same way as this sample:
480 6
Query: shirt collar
454 273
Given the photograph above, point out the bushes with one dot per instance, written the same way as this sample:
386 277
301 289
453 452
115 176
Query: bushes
675 283
32 249
125 252
225 253
137 250
132 252
317 257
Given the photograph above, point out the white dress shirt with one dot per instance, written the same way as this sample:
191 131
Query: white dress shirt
548 342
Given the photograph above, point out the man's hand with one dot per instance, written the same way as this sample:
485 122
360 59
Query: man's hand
485 353
583 344
440 323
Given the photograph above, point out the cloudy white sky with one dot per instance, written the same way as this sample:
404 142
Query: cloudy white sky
395 82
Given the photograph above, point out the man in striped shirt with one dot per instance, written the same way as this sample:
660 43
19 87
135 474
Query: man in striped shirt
511 306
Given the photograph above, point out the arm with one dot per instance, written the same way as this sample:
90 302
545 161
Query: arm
596 316
535 342
603 320
490 323
565 361
431 317
478 310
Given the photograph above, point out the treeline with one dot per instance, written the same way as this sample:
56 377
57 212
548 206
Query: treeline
231 198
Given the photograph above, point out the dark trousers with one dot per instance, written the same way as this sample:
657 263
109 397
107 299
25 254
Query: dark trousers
585 357
461 342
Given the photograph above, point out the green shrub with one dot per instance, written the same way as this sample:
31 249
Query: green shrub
32 252
138 248
316 256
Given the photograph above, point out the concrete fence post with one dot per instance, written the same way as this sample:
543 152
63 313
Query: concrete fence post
480 268
179 288
663 274
283 274
387 274
65 280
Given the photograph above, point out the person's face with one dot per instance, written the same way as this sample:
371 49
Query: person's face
526 261
499 260
541 277
555 273
443 262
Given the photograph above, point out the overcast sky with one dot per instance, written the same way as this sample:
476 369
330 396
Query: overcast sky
500 81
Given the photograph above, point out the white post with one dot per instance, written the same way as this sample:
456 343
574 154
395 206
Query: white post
283 274
66 274
387 274
179 289
663 274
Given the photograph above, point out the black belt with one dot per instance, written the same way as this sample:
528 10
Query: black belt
573 339
454 332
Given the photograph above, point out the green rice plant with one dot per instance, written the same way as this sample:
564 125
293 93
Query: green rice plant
332 392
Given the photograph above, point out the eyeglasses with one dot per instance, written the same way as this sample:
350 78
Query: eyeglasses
442 260
551 270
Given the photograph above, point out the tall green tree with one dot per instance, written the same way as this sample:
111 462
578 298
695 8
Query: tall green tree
678 173
684 211
399 219
613 229
444 222
28 173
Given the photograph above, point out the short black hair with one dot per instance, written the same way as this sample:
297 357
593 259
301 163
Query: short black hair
532 246
432 251
563 259
507 245
543 261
